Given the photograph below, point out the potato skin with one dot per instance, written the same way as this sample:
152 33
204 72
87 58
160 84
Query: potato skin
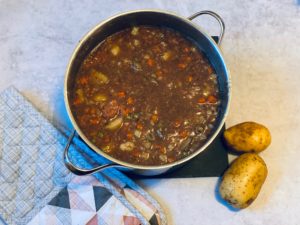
247 137
243 180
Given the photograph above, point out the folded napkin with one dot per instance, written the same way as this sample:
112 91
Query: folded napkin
36 188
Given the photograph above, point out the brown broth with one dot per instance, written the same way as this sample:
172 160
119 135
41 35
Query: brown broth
147 96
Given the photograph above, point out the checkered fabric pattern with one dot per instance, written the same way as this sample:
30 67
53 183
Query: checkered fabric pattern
31 166
36 188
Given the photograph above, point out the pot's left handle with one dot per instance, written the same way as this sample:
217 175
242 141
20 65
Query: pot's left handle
81 171
217 17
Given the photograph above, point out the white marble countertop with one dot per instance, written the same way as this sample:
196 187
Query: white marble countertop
262 51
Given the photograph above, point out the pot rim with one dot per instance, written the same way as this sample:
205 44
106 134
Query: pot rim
120 162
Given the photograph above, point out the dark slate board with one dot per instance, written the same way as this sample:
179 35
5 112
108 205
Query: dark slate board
212 162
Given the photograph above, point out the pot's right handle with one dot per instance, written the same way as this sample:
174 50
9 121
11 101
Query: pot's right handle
214 15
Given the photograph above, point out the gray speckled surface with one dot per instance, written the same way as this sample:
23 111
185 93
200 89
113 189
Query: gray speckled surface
262 51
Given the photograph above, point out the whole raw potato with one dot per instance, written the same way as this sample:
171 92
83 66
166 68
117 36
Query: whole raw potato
248 137
243 180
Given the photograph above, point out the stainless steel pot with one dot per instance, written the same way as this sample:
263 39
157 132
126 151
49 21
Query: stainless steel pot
152 18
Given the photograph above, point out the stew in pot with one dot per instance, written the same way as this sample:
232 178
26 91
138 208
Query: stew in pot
146 95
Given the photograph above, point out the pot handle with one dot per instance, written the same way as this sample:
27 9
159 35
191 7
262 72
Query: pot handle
81 171
214 15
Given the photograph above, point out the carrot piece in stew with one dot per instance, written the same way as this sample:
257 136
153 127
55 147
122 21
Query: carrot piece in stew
95 121
209 70
162 149
130 101
125 111
183 134
177 123
129 135
212 99
181 65
154 118
159 73
77 101
201 100
190 79
139 126
83 80
186 49
150 62
121 94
